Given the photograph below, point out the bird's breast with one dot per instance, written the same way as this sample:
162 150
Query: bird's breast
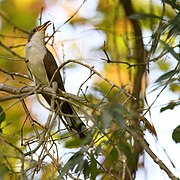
34 55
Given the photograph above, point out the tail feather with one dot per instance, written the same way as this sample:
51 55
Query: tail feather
75 124
72 121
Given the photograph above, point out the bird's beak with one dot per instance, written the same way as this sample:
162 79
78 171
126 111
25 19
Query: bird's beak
44 26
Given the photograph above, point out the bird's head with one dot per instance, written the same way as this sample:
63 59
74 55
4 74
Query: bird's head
38 31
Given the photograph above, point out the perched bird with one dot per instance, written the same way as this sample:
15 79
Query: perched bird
42 66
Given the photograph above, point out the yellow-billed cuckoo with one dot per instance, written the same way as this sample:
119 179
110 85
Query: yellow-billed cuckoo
42 66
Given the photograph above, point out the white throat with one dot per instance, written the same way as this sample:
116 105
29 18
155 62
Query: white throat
37 40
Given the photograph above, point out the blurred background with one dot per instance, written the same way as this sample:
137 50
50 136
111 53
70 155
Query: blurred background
134 44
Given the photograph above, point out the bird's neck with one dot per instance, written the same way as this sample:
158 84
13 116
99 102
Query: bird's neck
36 47
35 53
37 40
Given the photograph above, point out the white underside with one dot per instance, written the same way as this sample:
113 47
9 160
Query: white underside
35 52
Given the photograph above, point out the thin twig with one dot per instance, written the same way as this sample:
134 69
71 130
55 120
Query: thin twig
93 70
66 20
11 51
12 74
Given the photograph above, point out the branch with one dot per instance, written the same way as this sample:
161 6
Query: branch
11 51
145 146
29 90
12 74
55 31
108 60
95 72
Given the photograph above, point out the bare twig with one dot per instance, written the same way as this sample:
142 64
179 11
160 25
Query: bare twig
11 51
108 60
29 90
12 74
94 71
11 36
66 20
91 74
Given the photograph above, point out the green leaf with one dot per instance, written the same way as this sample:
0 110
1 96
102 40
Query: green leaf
79 167
163 65
86 170
119 114
106 119
115 112
93 166
125 148
74 143
114 155
171 50
2 115
175 26
143 16
171 106
167 75
175 87
172 3
176 134
155 37
3 170
76 159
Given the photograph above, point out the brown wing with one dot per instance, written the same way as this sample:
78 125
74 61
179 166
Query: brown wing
74 124
51 66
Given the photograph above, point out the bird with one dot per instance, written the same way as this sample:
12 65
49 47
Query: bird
42 66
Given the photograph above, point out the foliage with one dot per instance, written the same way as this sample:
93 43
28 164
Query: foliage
114 109
176 134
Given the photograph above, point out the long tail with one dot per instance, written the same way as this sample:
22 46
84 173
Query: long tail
72 122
